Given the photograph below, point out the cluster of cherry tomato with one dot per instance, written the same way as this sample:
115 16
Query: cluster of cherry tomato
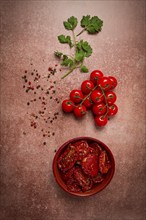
95 94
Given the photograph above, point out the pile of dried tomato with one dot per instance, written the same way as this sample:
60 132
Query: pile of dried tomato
82 165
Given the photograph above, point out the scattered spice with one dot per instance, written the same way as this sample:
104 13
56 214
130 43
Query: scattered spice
33 81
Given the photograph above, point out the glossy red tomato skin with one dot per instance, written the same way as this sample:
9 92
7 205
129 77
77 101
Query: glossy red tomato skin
110 97
101 120
113 82
76 95
99 109
97 96
88 103
112 110
95 76
67 106
105 83
80 111
87 86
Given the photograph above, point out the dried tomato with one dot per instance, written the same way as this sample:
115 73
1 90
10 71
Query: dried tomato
68 158
99 178
69 174
90 165
95 149
82 148
83 180
104 163
73 186
82 165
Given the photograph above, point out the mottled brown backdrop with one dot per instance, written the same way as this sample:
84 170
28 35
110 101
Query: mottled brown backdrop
29 138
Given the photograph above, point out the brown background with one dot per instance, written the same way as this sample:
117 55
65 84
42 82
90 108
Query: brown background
29 31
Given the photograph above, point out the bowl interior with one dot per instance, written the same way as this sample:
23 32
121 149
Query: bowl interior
97 187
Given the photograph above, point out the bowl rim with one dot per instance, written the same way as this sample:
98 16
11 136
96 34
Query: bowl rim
56 170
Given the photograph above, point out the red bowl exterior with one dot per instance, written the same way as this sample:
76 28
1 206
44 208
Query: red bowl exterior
98 187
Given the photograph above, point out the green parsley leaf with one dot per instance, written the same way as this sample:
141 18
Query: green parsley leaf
67 62
92 25
84 69
79 55
71 23
65 39
85 21
84 47
64 57
58 54
67 25
87 49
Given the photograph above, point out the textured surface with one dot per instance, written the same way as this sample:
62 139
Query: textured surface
28 39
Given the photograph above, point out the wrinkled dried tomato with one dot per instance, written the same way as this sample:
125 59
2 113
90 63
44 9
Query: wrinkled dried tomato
73 186
99 178
95 149
82 148
83 180
90 165
104 163
68 158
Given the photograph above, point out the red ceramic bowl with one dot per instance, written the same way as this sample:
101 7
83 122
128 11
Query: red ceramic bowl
98 186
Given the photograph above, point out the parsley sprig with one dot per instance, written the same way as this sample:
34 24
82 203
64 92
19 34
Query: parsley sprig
82 49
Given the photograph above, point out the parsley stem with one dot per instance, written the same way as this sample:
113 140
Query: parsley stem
70 71
81 32
74 39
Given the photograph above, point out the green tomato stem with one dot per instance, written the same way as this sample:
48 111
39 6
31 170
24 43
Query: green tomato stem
88 95
106 103
103 94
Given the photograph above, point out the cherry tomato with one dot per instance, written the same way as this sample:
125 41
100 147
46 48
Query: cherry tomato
80 111
110 97
101 120
99 109
67 106
113 82
97 96
88 102
95 76
87 86
105 83
112 110
76 96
